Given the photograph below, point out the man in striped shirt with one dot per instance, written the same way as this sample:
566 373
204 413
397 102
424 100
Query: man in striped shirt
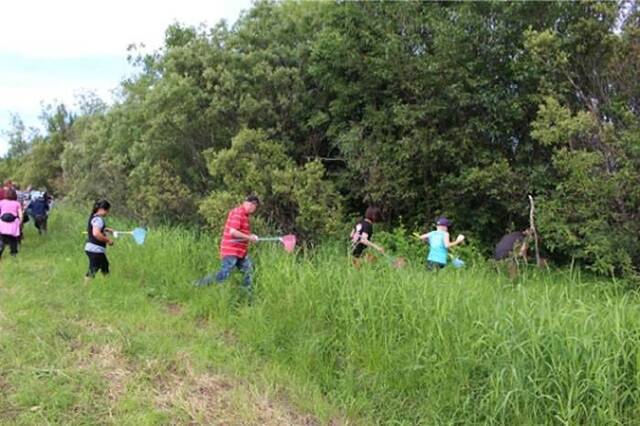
235 241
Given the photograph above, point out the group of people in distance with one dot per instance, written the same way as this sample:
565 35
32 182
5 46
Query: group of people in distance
439 240
17 208
512 246
237 235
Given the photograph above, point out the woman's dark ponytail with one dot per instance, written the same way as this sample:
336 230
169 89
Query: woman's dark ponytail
100 204
374 214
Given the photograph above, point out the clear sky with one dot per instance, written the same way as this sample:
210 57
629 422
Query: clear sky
53 50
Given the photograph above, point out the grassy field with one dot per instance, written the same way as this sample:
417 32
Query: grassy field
134 348
318 343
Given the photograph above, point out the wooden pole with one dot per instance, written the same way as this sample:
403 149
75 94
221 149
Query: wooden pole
532 227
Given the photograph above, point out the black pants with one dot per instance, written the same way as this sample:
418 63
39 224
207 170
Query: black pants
11 241
434 266
41 223
97 262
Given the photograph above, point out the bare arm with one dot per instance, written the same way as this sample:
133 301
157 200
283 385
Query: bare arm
242 236
448 244
364 239
98 235
523 249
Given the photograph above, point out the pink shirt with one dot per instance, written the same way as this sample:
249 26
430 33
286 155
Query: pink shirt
10 228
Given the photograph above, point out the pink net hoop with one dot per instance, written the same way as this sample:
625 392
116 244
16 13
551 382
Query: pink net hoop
289 243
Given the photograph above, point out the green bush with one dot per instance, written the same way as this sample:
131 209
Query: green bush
294 198
588 214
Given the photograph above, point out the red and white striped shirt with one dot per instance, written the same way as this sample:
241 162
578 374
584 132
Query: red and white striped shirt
237 219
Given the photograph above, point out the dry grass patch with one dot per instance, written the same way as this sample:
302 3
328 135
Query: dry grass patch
112 365
229 337
174 309
206 398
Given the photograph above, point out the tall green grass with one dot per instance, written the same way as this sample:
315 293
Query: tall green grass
393 346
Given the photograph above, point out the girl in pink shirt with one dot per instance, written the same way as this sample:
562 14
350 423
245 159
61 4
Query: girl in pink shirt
10 220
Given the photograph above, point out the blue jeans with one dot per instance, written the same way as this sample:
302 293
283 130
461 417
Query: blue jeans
242 263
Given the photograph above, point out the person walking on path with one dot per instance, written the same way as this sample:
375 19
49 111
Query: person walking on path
439 244
39 209
10 221
97 239
236 237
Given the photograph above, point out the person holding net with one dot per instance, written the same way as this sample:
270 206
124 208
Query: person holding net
97 239
361 236
234 245
439 244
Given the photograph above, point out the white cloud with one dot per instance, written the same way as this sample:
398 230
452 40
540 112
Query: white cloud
73 28
51 36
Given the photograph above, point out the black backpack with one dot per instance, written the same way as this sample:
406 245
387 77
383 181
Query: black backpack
8 217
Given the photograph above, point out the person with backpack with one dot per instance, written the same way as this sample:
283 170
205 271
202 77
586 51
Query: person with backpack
439 244
10 221
39 209
97 239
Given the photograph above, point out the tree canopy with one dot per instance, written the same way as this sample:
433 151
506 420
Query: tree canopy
421 108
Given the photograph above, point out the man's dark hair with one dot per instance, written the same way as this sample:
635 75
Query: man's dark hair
373 213
253 199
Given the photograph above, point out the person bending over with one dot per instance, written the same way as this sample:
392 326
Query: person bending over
513 245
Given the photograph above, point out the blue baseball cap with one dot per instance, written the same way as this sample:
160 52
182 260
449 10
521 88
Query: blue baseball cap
443 221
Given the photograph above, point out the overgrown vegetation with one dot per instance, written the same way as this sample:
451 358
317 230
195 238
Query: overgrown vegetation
423 108
379 345
123 351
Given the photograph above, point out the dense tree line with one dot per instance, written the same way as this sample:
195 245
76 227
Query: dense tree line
422 108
